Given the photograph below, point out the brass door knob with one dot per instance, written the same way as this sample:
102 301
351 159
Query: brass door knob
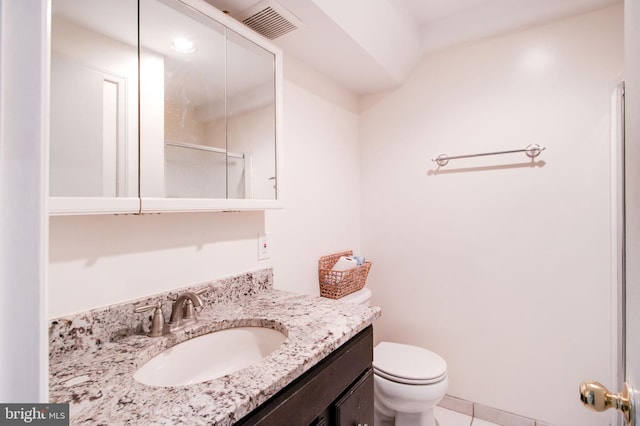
598 398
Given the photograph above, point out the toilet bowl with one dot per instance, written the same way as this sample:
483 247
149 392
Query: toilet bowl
408 383
408 380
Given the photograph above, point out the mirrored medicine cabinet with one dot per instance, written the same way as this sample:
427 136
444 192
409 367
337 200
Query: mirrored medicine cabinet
161 105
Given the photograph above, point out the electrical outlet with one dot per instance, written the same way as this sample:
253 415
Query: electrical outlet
264 251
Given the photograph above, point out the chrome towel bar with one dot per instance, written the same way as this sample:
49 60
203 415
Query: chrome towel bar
532 151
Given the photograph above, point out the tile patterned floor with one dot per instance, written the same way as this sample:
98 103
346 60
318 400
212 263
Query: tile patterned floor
452 418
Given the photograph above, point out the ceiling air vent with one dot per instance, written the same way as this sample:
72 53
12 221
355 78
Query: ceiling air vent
269 19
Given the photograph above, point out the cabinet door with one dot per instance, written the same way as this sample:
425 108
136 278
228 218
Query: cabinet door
251 120
311 398
355 408
201 135
182 102
208 116
93 119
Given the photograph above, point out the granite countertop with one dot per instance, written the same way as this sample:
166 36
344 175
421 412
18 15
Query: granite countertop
98 381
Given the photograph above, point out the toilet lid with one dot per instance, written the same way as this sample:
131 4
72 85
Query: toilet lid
408 364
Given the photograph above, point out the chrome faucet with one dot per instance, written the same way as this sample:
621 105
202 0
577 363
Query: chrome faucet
183 311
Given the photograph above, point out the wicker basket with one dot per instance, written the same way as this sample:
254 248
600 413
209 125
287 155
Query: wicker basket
336 284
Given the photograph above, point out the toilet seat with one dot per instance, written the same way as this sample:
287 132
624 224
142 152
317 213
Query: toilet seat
408 364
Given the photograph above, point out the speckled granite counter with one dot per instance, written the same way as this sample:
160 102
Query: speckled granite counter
104 357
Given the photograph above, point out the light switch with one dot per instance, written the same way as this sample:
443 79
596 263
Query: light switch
263 246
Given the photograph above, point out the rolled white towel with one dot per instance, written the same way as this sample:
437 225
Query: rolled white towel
345 263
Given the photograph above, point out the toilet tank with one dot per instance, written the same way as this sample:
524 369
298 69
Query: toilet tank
360 297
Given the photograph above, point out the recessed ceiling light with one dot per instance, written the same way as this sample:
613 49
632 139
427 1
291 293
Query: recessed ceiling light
183 45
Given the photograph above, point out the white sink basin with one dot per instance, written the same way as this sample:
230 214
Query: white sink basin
209 356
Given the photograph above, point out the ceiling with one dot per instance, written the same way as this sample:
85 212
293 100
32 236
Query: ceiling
372 45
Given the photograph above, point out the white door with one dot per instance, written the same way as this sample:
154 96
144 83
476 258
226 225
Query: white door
632 199
626 400
632 160
593 394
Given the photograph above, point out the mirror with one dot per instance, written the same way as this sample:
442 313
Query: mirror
213 93
156 99
251 124
94 99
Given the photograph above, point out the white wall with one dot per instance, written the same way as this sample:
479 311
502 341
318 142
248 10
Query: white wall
504 271
100 260
321 177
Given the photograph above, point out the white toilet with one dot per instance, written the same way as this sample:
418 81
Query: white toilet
409 381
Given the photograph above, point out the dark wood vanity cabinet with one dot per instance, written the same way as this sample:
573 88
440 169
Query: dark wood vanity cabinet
338 391
356 405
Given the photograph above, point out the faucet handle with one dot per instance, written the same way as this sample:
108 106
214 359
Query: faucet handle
158 326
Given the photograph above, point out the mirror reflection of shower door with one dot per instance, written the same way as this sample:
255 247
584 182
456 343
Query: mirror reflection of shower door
196 171
237 177
193 171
